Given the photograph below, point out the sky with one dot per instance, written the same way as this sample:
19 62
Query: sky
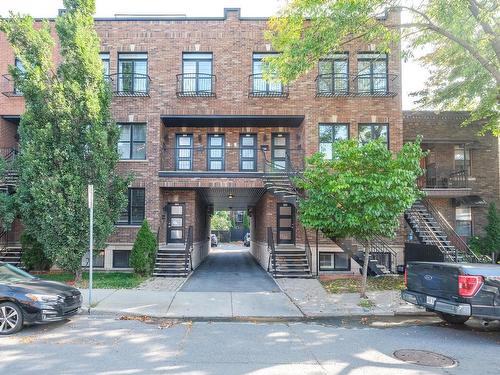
414 75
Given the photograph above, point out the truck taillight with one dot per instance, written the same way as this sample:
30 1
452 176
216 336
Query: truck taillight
468 285
406 276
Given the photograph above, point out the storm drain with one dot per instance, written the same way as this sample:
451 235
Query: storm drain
424 358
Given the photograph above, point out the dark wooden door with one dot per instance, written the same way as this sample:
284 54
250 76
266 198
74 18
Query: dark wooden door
285 223
175 222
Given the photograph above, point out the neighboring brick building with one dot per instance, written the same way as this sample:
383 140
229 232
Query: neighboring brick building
462 168
201 129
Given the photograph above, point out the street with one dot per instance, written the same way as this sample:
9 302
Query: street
107 345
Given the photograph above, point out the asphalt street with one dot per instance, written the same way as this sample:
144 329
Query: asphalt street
109 346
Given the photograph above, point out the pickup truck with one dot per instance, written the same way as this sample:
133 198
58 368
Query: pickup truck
455 291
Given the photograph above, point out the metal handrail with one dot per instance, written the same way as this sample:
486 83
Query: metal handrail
331 79
136 79
372 90
259 87
188 261
307 249
452 236
271 250
199 84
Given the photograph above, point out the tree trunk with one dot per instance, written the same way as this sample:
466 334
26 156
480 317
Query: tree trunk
78 276
365 269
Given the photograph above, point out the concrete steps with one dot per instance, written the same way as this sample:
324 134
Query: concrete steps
171 262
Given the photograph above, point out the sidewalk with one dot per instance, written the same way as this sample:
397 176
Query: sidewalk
299 299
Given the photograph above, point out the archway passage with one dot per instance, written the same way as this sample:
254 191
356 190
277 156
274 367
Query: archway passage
230 268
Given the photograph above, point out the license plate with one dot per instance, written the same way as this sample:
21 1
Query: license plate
430 300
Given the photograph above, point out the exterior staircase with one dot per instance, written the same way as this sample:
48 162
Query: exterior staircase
288 261
174 260
10 176
11 255
431 228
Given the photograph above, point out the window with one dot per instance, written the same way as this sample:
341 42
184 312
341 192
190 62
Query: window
334 262
328 135
462 159
334 74
105 63
121 258
259 85
463 221
215 152
371 132
197 73
132 73
97 261
132 142
19 65
372 73
248 152
239 216
184 152
134 213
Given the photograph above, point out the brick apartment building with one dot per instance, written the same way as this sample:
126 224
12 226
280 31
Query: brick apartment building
202 131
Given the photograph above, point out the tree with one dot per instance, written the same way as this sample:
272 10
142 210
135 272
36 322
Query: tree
361 193
67 136
462 38
7 202
489 244
142 258
33 256
221 221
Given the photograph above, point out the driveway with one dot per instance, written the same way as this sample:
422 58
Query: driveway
230 268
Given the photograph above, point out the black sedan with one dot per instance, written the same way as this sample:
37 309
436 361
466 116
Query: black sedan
25 299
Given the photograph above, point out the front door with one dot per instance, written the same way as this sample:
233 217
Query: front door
285 224
279 150
175 222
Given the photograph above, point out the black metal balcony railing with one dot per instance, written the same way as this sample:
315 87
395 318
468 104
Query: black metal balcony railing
9 87
130 84
196 84
381 84
443 178
259 87
228 160
329 85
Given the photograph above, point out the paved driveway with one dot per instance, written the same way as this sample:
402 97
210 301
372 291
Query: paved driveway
230 268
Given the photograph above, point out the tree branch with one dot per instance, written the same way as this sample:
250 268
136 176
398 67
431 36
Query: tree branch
495 43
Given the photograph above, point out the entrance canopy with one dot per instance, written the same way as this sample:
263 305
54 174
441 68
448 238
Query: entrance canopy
231 121
231 198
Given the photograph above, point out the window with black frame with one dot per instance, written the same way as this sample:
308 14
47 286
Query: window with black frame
328 135
105 63
338 261
134 212
132 141
372 73
333 78
215 152
248 152
371 132
121 258
462 159
259 85
20 67
463 221
197 73
184 152
132 73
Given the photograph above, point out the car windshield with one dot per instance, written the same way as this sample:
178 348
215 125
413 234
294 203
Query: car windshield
11 274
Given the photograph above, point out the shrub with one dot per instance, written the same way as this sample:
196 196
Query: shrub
143 253
33 257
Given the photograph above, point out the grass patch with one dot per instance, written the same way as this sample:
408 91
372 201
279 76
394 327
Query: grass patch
349 285
366 303
101 280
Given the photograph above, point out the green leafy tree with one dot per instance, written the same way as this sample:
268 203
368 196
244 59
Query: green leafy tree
489 244
246 221
33 257
361 193
221 221
460 40
142 258
67 136
7 202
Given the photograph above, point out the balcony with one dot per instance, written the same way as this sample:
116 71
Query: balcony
8 86
342 84
195 85
444 182
260 88
130 84
201 161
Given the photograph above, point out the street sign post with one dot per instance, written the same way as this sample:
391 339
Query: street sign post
91 240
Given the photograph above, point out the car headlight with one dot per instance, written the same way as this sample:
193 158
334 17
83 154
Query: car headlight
43 297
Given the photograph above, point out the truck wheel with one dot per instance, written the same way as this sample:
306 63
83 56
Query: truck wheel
453 319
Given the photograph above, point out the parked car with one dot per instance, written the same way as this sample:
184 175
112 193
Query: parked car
213 240
455 291
246 240
25 299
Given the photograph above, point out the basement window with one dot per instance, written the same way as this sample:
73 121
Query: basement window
121 258
334 261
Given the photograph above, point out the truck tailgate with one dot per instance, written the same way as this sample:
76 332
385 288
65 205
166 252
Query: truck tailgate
437 280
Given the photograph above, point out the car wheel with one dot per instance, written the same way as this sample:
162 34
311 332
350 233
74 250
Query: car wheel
11 318
453 319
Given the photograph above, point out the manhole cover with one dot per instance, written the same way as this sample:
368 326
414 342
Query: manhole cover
424 358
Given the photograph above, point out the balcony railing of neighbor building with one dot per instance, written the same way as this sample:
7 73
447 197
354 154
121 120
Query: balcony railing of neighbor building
8 86
260 88
443 178
201 159
196 85
343 84
130 84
